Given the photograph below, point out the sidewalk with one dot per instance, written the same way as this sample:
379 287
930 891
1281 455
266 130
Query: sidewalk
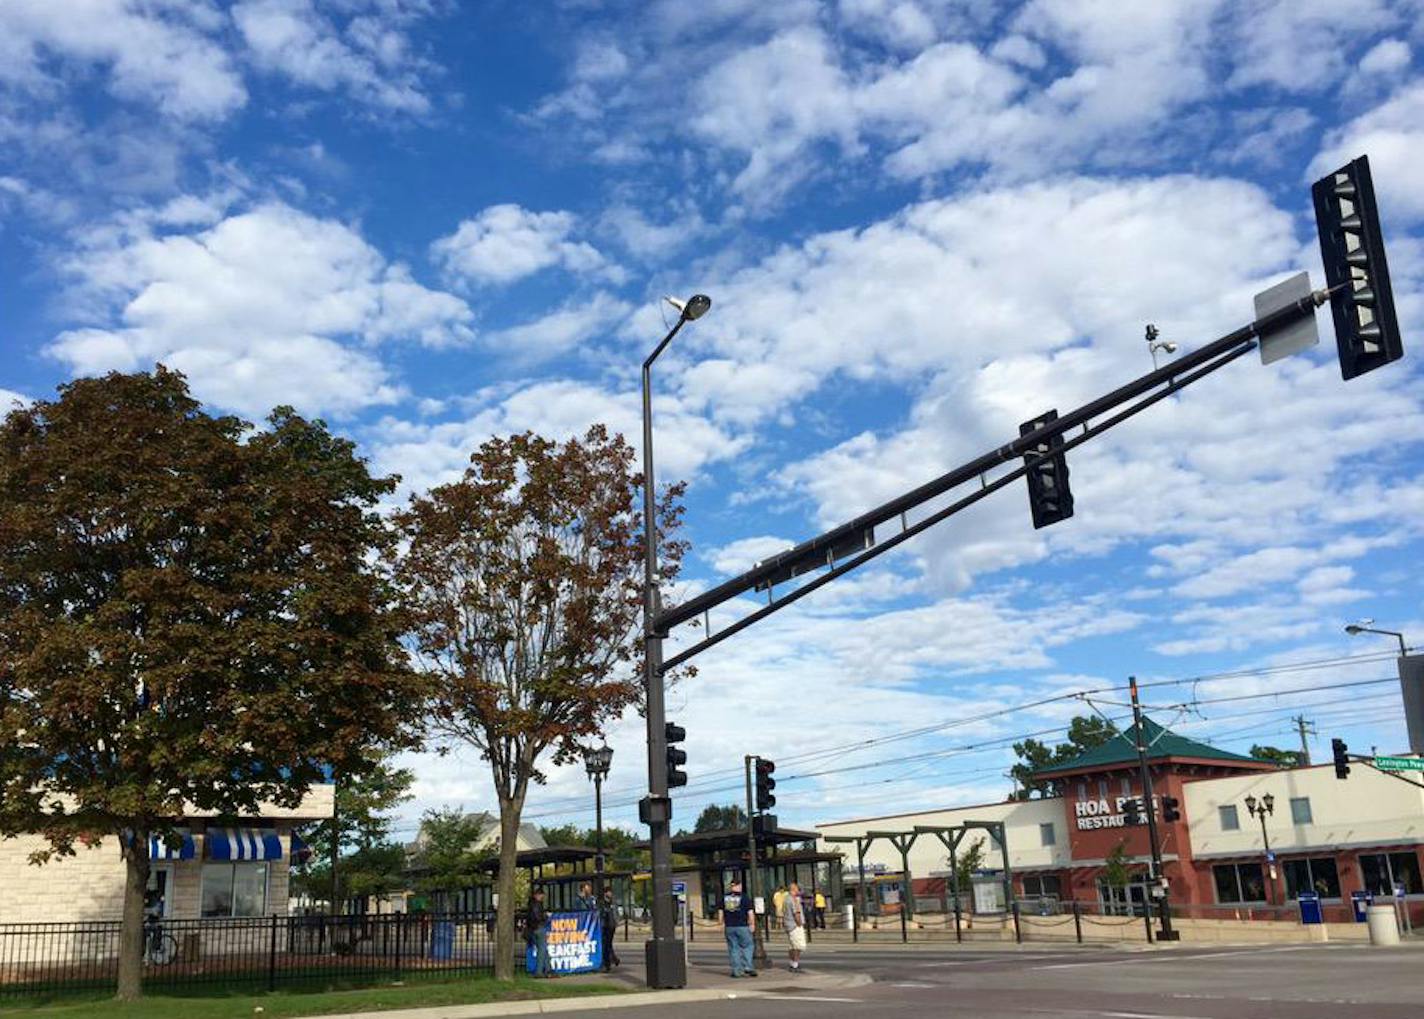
705 982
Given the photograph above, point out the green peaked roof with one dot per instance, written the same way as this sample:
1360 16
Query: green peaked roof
1161 743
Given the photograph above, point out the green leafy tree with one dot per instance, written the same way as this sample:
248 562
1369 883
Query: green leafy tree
1084 733
566 835
715 818
1280 758
446 857
966 862
524 582
362 825
192 617
1117 869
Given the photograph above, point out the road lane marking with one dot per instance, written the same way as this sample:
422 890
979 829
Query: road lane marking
810 997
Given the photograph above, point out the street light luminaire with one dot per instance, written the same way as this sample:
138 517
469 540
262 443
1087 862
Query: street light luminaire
693 308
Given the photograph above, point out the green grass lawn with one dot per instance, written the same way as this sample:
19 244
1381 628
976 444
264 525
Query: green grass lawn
215 1004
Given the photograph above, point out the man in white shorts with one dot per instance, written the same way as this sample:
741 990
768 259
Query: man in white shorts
793 921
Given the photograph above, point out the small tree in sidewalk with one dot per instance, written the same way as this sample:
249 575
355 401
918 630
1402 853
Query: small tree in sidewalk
524 580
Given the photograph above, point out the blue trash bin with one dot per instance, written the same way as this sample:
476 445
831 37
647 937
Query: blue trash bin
442 940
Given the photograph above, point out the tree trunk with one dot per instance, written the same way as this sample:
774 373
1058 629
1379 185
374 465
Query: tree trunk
131 936
509 811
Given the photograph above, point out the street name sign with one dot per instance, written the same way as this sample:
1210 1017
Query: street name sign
1399 763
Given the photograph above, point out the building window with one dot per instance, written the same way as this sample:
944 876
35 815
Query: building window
1126 786
1082 790
1382 871
1317 874
234 889
1102 788
1239 882
1046 884
1300 810
1046 835
1230 820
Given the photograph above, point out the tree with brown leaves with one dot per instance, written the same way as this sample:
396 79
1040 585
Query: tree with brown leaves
193 616
524 580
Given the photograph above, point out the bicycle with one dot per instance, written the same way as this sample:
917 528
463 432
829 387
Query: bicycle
159 948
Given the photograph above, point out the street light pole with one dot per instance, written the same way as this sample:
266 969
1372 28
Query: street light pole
1411 682
1267 806
1355 629
666 964
598 762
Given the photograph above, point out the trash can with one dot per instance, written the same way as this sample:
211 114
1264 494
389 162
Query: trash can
442 940
1383 924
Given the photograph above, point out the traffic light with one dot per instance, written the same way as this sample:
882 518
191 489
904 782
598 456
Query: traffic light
1342 759
1049 498
1366 330
1132 811
765 784
676 756
1170 808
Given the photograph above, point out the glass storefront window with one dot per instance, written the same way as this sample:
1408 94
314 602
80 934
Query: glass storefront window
234 889
1239 882
1316 874
1381 871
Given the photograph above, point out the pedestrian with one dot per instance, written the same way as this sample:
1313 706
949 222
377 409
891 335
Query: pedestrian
793 919
738 915
536 932
586 903
608 920
778 899
820 911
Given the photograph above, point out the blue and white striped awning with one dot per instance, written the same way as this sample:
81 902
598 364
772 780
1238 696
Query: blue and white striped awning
243 844
159 849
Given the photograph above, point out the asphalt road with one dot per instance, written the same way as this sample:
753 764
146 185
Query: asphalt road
1210 982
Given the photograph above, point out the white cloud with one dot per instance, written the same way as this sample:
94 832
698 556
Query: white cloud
505 243
9 398
160 53
744 553
1387 57
426 454
257 308
560 332
1392 134
370 60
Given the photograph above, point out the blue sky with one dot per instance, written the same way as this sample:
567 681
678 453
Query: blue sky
921 222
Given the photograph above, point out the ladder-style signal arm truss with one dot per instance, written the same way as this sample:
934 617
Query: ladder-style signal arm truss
857 537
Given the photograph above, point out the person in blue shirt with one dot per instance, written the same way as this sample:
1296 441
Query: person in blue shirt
738 915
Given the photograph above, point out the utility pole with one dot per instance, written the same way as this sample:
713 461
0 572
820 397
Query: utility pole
1306 728
758 942
1159 875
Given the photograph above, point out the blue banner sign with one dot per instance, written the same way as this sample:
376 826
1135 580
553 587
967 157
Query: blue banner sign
1361 901
1309 903
575 944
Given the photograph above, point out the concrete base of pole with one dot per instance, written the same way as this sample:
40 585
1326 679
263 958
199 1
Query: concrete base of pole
666 962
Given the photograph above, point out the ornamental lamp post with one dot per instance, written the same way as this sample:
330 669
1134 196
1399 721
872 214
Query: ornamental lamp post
1260 809
663 953
597 761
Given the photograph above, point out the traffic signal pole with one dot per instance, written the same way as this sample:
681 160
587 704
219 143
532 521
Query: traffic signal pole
1149 808
753 877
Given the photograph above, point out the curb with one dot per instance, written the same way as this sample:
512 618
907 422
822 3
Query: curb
574 1003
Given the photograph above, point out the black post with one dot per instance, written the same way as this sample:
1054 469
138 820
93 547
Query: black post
598 861
1078 920
272 957
862 896
954 882
1018 929
753 878
666 963
1149 808
335 846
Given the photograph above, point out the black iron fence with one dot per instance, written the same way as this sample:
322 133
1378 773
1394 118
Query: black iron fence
257 952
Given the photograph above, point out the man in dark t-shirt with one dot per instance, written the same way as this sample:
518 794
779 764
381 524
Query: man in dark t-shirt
738 915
